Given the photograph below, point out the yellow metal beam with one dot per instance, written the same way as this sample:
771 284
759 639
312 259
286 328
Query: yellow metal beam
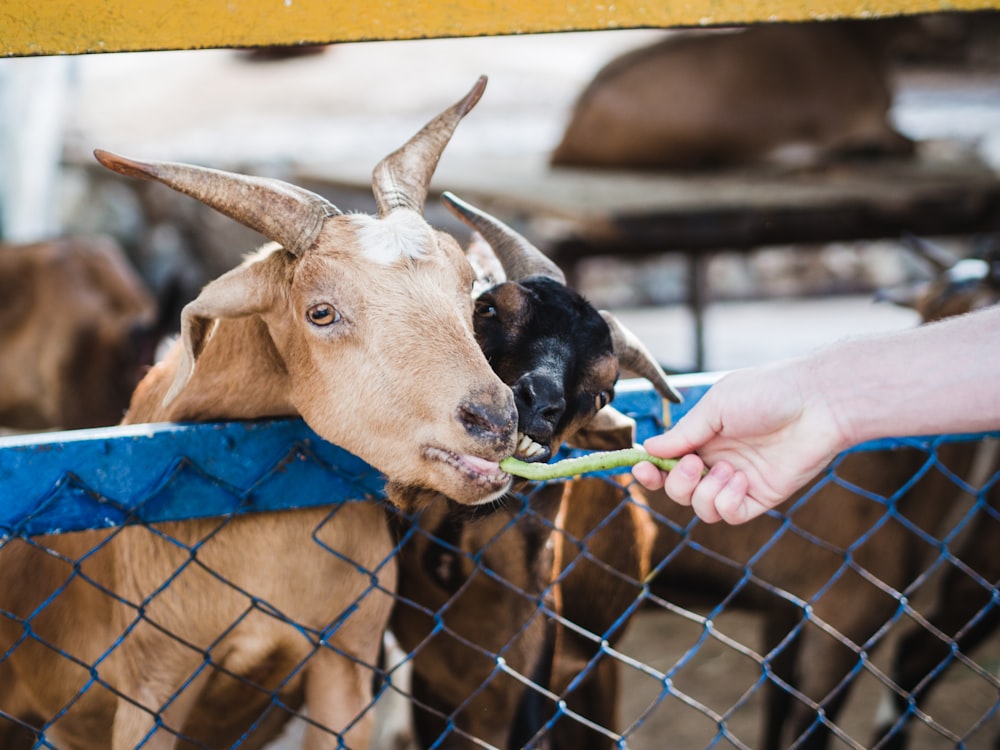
48 27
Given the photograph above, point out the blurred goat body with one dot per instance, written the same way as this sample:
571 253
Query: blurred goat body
799 93
77 330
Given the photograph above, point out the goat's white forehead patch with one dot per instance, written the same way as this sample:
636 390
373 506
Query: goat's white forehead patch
400 234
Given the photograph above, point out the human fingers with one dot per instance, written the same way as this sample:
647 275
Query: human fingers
707 491
681 481
733 504
648 475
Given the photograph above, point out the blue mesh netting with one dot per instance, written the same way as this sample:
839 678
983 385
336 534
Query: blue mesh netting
577 615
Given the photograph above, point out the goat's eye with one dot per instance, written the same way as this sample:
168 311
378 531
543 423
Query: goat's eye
603 399
322 314
485 309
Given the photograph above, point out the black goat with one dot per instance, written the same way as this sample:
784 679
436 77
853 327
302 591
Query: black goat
473 586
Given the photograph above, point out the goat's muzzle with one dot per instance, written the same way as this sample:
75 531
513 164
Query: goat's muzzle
491 425
541 405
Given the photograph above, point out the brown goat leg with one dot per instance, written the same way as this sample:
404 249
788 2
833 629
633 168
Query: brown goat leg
596 697
17 716
151 700
338 692
778 623
830 661
921 652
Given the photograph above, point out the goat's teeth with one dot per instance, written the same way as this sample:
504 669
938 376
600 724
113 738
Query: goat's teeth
526 447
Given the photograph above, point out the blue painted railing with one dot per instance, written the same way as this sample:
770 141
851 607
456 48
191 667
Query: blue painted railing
68 481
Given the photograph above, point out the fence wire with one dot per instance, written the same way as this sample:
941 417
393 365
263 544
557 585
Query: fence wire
577 614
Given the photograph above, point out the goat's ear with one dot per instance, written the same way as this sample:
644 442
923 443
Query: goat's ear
489 270
609 430
245 290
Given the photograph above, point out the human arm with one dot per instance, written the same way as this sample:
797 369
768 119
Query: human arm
766 431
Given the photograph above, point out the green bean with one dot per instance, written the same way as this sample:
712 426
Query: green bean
570 467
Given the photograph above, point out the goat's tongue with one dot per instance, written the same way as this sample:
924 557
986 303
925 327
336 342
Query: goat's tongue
480 465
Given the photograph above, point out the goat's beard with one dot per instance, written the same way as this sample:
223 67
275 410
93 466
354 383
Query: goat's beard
412 499
409 498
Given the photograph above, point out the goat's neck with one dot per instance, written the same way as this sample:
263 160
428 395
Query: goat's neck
239 375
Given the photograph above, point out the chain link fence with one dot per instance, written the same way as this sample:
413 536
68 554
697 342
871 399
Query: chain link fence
578 614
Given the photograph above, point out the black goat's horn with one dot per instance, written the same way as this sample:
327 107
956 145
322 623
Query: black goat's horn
401 179
519 258
282 212
633 355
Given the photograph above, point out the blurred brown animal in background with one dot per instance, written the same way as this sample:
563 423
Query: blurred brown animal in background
798 93
77 330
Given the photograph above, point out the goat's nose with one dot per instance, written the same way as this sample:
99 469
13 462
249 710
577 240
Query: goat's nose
482 420
539 398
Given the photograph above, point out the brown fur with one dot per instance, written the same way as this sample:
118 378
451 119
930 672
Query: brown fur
75 333
489 608
738 97
961 599
596 589
801 561
491 592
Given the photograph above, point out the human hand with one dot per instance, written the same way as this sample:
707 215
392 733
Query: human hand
764 433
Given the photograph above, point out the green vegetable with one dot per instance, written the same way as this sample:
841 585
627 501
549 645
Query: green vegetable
571 467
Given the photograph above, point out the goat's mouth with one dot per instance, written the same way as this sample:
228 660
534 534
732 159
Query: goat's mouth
530 450
480 471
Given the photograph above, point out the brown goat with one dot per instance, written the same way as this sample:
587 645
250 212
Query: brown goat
488 577
201 631
77 330
792 92
802 553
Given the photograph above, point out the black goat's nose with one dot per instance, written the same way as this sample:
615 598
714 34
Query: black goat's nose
540 397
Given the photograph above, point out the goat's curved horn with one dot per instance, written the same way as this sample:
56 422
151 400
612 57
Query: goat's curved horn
519 258
284 213
633 355
402 178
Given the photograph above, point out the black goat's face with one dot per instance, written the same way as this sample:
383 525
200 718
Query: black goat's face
559 355
554 350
